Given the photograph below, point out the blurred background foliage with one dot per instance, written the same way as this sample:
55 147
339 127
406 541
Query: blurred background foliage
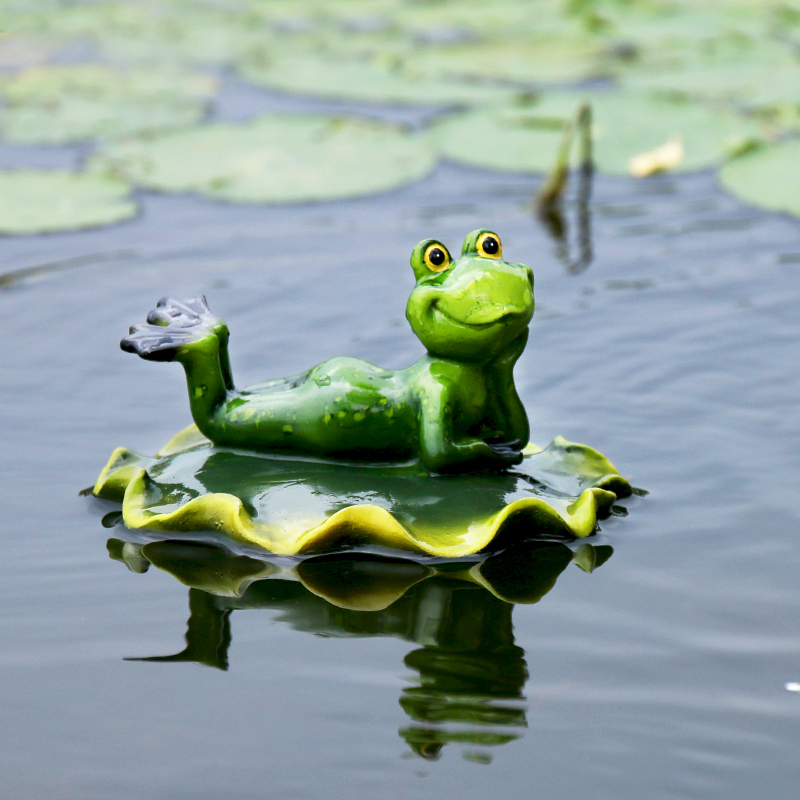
676 84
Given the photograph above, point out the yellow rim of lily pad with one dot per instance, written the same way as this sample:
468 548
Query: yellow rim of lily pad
125 480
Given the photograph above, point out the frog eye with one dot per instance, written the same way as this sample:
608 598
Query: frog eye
436 257
488 245
430 257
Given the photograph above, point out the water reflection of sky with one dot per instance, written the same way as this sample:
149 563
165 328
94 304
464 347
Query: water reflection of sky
661 675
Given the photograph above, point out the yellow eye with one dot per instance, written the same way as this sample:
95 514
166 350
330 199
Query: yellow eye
488 246
437 259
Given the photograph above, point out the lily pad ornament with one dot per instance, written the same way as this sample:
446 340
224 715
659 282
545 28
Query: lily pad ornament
72 103
44 201
292 507
430 460
276 158
766 177
625 124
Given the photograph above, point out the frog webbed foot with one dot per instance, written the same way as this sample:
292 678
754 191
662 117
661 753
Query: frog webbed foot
192 313
170 325
159 342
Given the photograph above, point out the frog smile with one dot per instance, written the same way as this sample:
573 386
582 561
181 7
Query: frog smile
501 318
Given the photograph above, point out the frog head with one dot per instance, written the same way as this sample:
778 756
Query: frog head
470 309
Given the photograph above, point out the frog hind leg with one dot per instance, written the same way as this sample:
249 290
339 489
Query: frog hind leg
187 332
157 343
185 321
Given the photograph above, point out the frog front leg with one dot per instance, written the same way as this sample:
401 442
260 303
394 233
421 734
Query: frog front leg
439 449
505 412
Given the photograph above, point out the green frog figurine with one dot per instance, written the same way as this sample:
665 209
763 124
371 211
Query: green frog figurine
456 409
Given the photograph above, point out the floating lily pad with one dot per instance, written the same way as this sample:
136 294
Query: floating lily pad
626 124
69 103
379 79
291 507
276 158
41 201
534 61
199 36
492 19
753 73
50 83
767 177
156 32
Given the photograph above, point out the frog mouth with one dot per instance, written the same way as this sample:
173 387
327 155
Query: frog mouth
506 316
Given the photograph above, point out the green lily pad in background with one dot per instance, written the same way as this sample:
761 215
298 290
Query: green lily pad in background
69 103
626 124
42 201
170 31
742 70
276 158
377 79
767 177
534 61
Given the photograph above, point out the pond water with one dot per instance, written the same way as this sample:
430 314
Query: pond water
662 674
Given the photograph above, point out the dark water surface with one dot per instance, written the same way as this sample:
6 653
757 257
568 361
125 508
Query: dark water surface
660 675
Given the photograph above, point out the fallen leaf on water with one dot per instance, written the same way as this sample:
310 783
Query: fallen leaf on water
526 138
660 159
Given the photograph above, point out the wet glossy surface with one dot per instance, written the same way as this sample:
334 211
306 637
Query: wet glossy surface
660 675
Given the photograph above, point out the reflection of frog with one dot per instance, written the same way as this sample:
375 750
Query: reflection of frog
456 407
469 686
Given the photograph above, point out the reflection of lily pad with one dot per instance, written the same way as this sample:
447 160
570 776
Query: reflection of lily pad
76 102
291 507
276 158
523 573
767 177
40 201
625 125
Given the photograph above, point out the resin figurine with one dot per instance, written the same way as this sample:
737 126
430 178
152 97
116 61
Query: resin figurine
349 455
456 408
